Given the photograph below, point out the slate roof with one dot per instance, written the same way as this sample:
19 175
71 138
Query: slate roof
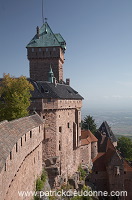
106 130
11 132
47 38
87 137
47 90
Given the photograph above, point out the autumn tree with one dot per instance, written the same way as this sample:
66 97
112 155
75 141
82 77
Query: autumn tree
89 123
124 145
14 97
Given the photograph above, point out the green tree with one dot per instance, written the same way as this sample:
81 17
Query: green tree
89 123
14 97
124 145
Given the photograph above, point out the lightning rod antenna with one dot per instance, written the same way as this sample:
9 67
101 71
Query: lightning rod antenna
42 12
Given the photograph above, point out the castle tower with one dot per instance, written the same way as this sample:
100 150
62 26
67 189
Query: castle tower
44 50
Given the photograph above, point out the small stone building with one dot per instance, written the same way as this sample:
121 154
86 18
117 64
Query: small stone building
89 148
20 156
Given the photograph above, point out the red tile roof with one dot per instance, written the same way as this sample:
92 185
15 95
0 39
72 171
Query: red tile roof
87 137
103 158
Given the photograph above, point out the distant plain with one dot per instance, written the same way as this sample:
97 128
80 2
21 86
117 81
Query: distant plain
119 121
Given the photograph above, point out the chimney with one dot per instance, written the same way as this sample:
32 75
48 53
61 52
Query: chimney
37 32
68 81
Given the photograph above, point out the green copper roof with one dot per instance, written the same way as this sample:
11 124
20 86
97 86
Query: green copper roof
47 38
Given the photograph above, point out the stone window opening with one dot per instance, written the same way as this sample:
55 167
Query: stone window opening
39 129
60 129
59 116
21 141
34 160
59 146
68 125
5 167
25 138
124 172
30 134
16 147
96 172
10 155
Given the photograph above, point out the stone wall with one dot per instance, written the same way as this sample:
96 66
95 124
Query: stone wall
94 149
26 175
40 61
61 126
23 164
86 154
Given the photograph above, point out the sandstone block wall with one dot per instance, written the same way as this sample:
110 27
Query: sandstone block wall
26 175
86 154
60 127
41 59
21 161
94 149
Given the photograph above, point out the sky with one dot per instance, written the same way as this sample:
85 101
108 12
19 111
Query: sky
98 33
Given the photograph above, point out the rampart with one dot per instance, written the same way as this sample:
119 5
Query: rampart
20 155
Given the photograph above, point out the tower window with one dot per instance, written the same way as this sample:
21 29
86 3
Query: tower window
60 129
30 134
10 155
16 147
59 146
68 125
21 141
5 166
32 49
25 138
